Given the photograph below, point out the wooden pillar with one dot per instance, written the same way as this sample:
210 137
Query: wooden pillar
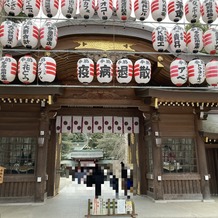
202 161
51 161
141 160
41 175
157 164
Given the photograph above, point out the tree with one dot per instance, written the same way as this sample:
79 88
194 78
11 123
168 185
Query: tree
113 145
204 27
69 142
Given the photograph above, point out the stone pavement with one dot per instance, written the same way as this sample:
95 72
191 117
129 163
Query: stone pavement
72 200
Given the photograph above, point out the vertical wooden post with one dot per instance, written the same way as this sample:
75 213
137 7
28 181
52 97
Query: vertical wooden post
141 159
157 171
51 161
41 175
202 161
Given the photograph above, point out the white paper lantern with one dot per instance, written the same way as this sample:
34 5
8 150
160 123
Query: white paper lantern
212 73
104 70
210 40
194 38
8 69
27 69
209 11
175 10
13 7
86 8
85 70
48 36
158 9
177 39
142 71
124 9
193 10
105 9
9 34
50 7
46 69
141 9
124 70
178 72
68 8
160 38
29 34
31 7
196 71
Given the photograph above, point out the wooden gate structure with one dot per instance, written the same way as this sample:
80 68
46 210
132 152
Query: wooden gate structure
168 152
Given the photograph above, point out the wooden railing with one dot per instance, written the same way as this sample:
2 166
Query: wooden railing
182 186
16 186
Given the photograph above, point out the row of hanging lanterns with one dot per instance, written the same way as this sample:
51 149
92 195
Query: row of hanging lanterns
194 40
180 71
26 69
178 40
125 70
193 9
195 72
30 34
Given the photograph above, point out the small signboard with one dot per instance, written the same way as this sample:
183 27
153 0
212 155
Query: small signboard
121 206
2 169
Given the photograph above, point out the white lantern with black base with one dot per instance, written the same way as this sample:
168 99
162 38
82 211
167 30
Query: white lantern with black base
31 7
212 73
158 10
68 8
175 10
50 7
105 9
124 70
177 39
27 69
194 38
160 38
9 34
86 8
142 71
178 72
85 70
141 9
104 70
209 11
8 69
193 10
196 71
48 36
29 34
13 7
46 69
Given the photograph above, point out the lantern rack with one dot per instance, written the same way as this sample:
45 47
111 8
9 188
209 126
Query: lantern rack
78 20
209 89
107 52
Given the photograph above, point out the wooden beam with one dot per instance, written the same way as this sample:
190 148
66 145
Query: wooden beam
23 90
179 95
100 102
100 111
